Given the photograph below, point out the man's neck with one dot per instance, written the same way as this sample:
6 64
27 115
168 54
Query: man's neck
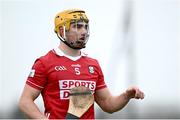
69 51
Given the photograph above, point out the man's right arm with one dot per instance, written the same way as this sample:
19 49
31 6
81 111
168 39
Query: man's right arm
27 105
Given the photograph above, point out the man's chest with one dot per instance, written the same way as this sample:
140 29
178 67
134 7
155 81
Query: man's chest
66 75
72 70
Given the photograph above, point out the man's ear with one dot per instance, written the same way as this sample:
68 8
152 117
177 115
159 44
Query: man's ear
61 31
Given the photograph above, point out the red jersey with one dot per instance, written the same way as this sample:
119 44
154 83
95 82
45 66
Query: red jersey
55 74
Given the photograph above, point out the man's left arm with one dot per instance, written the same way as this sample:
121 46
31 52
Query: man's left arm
111 104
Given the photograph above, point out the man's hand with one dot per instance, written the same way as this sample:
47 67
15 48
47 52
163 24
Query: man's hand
134 92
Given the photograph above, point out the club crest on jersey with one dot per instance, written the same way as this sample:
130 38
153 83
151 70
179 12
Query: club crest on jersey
91 69
32 72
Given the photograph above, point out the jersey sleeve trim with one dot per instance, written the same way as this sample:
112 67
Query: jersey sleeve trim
101 86
34 85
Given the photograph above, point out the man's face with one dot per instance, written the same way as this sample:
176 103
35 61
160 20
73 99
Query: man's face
78 34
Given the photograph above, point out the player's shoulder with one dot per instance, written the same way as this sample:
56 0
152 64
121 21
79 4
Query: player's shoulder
46 57
89 58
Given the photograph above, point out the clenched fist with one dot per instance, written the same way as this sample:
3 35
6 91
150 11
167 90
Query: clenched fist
134 92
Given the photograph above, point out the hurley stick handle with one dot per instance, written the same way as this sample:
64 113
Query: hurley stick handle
80 100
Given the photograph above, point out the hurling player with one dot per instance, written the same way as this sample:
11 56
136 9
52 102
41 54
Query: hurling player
65 67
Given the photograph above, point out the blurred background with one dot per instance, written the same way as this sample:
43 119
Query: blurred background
137 42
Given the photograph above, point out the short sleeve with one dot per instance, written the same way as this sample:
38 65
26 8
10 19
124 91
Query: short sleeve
100 83
37 77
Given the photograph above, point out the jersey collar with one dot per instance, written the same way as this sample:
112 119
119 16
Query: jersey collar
60 52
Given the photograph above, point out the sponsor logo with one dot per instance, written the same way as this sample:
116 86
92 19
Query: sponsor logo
60 68
75 65
91 69
32 72
66 85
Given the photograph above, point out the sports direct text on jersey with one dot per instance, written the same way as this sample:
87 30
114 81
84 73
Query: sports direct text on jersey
66 85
